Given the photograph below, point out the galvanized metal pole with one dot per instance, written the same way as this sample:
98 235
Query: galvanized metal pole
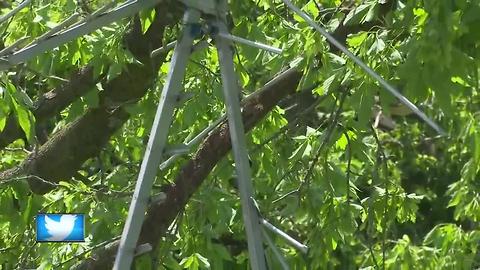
156 143
286 237
14 11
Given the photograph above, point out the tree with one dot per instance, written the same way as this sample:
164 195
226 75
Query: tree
337 163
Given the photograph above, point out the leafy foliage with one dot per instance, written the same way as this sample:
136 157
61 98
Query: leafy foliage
360 195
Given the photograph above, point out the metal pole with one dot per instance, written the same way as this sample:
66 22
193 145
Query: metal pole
251 43
275 250
14 11
67 22
156 143
237 135
288 238
88 26
366 68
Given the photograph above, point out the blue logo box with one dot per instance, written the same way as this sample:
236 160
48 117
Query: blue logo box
60 227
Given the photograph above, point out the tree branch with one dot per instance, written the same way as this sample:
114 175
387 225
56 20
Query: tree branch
196 170
51 103
61 156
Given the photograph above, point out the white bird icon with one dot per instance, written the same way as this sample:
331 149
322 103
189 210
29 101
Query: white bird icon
60 230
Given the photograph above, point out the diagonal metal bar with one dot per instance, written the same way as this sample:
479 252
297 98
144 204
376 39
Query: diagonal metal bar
97 13
67 22
87 26
156 143
286 237
251 43
101 10
366 68
14 11
14 46
194 141
275 250
163 49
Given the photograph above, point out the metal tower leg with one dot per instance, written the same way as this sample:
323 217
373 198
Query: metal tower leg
237 135
157 141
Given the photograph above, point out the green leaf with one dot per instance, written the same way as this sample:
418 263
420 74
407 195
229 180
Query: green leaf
327 84
147 18
23 99
364 105
307 151
171 263
371 14
3 121
377 47
299 151
114 70
336 59
23 117
309 79
222 252
143 262
4 110
191 262
311 132
356 40
26 214
357 14
342 142
203 260
311 9
92 99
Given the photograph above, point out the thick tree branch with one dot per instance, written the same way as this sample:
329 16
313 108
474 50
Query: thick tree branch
101 122
195 171
82 80
61 156
51 103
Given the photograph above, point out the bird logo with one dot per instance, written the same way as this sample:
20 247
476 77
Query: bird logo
60 228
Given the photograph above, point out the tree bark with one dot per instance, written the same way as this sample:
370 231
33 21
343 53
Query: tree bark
85 137
61 156
51 103
195 171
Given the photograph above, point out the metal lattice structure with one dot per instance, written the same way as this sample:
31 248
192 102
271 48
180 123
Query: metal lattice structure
206 17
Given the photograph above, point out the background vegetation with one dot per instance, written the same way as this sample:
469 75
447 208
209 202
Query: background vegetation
337 162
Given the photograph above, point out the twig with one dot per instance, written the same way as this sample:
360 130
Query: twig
349 163
290 124
285 195
373 257
214 74
24 256
20 178
329 132
104 243
382 158
17 149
